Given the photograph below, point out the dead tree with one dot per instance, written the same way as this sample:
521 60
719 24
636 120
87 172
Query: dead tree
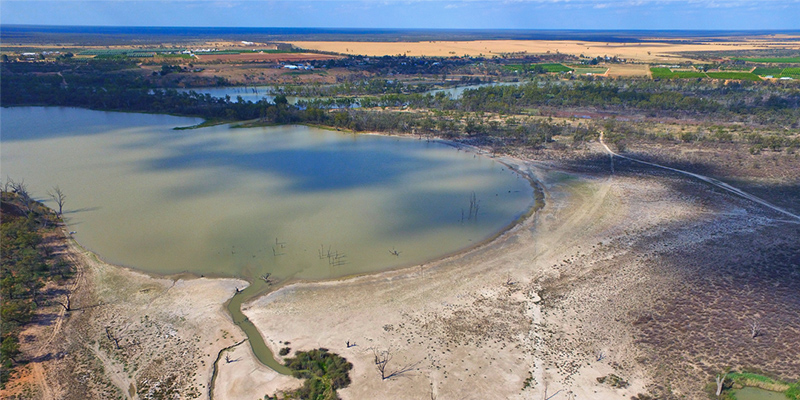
474 205
601 355
720 383
65 304
21 189
382 359
755 328
112 338
59 197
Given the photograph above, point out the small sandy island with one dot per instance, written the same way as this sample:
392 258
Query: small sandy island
615 275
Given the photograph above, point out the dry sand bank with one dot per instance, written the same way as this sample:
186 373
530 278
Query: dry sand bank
648 52
168 332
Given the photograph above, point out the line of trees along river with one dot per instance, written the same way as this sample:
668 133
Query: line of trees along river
98 85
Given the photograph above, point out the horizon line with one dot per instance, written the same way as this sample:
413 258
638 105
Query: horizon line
797 30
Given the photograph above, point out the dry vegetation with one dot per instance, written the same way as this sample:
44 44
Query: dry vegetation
648 52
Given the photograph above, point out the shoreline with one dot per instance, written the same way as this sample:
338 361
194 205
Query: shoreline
514 164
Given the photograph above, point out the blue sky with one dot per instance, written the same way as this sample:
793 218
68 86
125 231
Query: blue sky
443 14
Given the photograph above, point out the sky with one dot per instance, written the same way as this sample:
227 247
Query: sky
413 14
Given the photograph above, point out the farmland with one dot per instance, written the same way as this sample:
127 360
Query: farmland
546 67
664 72
772 60
586 71
746 76
764 71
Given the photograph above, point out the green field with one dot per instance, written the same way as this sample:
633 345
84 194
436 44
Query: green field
783 60
735 68
745 76
793 72
763 71
663 72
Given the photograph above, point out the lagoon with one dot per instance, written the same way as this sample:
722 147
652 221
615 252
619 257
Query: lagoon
291 201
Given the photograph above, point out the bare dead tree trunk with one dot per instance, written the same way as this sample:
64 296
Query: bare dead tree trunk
755 328
382 359
22 191
66 305
59 197
112 338
720 382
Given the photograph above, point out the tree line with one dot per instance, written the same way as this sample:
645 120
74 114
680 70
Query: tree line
98 85
26 265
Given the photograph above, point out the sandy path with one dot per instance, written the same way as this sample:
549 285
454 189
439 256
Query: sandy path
715 182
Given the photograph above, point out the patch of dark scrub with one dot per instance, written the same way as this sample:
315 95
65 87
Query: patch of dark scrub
736 307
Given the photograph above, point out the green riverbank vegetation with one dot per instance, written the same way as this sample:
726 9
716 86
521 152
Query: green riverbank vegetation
27 266
726 384
324 373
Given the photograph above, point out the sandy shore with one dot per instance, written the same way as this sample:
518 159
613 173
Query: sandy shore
470 326
560 300
130 334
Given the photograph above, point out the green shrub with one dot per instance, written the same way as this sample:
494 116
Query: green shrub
324 372
793 393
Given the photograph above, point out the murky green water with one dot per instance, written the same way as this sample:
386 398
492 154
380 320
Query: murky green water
291 201
752 393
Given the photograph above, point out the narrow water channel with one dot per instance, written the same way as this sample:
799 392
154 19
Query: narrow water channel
260 348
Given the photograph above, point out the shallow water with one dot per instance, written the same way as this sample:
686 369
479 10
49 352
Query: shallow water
256 93
247 93
291 201
752 393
